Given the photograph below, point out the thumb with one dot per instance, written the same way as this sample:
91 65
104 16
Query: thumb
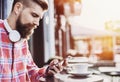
53 62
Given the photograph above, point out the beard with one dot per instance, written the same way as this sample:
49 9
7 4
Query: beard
25 30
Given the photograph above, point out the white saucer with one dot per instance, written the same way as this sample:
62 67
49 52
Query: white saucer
80 74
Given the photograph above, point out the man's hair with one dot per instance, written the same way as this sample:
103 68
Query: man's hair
42 3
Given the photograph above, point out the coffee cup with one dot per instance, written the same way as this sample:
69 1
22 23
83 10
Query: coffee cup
80 68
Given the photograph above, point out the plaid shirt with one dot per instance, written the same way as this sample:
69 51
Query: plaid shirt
16 63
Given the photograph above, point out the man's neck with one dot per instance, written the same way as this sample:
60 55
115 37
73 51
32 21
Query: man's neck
12 22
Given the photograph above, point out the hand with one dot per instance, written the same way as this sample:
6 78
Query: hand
54 67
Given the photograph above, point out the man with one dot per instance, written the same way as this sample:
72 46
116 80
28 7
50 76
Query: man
16 64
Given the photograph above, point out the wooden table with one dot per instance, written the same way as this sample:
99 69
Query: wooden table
97 76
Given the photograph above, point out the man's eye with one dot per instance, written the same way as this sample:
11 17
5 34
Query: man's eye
34 15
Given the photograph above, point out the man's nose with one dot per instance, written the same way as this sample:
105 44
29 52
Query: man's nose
36 22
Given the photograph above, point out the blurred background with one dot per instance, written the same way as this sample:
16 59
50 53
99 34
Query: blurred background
87 28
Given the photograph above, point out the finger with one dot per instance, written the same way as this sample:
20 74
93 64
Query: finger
62 62
51 72
55 61
56 68
59 66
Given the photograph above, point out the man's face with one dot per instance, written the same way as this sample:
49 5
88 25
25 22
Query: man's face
28 20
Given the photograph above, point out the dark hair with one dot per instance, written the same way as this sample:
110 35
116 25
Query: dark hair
42 3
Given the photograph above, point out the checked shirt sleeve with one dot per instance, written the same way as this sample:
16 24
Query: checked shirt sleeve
35 74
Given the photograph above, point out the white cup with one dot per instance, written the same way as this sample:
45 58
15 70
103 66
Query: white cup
80 68
117 65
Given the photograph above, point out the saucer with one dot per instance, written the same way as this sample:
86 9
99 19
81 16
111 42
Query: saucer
80 74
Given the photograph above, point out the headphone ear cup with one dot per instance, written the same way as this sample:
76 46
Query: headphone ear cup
14 36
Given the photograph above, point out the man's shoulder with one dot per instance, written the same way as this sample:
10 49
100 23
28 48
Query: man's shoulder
1 23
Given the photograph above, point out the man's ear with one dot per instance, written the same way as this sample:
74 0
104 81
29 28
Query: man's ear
18 8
